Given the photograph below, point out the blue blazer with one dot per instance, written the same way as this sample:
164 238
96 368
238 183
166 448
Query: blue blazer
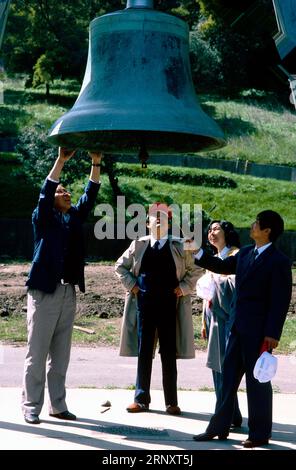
47 265
263 290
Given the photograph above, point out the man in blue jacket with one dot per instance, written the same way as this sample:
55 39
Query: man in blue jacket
58 265
263 293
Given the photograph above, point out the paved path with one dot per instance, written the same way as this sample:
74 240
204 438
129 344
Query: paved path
100 428
103 368
113 429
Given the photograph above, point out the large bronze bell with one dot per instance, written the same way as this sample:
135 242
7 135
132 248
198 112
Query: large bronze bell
137 91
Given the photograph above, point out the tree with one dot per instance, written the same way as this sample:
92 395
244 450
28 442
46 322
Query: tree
188 10
206 64
242 32
212 8
38 27
43 72
59 30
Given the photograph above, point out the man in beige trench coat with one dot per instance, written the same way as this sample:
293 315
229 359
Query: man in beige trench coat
159 276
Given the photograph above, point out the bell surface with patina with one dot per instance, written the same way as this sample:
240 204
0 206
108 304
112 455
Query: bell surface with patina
137 90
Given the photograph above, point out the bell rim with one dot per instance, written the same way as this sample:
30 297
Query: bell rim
157 142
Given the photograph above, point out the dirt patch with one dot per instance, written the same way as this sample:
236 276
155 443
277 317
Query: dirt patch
104 295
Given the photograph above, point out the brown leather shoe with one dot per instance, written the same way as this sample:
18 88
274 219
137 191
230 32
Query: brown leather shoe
173 410
137 407
249 443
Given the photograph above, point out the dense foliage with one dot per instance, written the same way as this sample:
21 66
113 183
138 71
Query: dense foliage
59 30
48 39
37 158
175 175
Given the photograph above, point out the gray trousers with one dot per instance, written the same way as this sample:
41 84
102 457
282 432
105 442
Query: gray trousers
50 319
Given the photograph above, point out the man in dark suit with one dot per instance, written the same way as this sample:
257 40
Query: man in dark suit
58 264
263 293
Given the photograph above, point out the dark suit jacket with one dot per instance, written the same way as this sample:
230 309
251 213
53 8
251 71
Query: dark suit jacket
47 266
263 290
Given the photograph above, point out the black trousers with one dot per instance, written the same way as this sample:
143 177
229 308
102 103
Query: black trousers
156 312
241 355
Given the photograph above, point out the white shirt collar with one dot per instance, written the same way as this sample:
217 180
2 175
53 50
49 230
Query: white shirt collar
154 240
262 248
223 253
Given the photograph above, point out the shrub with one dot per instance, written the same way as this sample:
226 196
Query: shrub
177 175
37 157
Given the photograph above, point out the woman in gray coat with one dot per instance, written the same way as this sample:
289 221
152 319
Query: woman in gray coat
159 276
217 291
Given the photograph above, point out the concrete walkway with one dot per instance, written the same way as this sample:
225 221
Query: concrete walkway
101 428
98 374
102 367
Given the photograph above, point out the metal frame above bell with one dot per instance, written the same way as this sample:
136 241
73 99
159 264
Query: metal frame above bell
137 90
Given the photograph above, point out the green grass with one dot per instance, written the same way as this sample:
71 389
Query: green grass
287 343
261 131
107 332
206 389
240 204
23 107
258 129
13 329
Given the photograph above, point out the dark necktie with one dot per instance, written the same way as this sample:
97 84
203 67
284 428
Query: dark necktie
253 256
156 245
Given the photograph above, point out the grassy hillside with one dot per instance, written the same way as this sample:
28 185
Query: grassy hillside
257 126
240 204
26 106
258 129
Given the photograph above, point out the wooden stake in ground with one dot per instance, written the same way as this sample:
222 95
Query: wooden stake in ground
84 330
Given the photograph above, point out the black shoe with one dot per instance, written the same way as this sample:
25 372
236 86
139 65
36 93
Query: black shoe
236 425
64 415
31 418
208 436
250 443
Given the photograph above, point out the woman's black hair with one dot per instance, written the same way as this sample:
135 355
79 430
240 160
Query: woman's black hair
231 236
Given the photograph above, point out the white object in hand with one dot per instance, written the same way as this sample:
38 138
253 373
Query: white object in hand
265 367
205 287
